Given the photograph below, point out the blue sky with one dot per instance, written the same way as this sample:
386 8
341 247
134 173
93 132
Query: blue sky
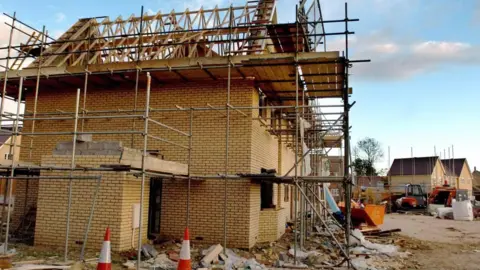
421 89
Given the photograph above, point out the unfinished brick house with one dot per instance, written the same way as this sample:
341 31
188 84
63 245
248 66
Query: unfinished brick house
198 114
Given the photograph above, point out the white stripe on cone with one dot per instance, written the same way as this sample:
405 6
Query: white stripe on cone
105 256
185 250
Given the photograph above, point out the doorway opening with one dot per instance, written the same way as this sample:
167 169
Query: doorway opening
155 206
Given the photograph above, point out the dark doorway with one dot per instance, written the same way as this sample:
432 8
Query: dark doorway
155 206
266 195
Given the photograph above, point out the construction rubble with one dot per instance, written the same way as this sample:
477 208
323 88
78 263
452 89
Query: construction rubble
319 252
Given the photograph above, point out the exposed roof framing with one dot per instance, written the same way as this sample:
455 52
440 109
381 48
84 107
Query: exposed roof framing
210 32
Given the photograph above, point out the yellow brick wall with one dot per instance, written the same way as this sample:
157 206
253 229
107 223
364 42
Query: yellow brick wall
282 218
116 195
254 214
208 126
250 148
268 153
264 146
267 225
207 211
272 224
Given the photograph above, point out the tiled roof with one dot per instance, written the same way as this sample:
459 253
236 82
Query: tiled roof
453 164
413 166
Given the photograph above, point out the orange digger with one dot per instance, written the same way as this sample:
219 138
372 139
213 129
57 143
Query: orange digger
445 194
412 198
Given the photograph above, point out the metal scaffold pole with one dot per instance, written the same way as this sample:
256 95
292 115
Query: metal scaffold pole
37 88
144 157
190 143
2 109
5 74
296 142
346 136
72 166
227 135
137 74
12 169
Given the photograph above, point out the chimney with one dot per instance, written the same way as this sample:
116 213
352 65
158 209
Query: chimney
475 168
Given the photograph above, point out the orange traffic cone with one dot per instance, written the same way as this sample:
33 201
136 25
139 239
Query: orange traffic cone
105 260
185 263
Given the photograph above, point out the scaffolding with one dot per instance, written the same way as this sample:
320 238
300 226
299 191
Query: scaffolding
287 62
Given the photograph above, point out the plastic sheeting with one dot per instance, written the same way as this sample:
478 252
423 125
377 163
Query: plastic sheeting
462 210
444 212
357 238
330 201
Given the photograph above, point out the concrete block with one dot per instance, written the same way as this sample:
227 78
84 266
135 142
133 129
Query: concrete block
113 145
114 152
84 138
59 152
64 146
95 146
154 164
105 145
69 146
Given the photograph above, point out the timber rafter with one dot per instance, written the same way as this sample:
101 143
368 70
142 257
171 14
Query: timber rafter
187 34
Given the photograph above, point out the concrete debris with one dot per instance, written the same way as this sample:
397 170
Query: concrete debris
228 261
10 251
254 265
40 267
361 264
212 255
163 262
223 257
160 262
315 258
129 265
300 254
149 251
295 266
174 256
29 262
283 256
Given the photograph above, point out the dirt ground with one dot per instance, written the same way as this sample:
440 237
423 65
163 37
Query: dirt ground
437 243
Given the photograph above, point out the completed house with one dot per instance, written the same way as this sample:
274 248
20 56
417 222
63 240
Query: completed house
425 171
459 173
476 183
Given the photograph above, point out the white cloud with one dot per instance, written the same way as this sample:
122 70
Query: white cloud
59 17
440 48
386 48
393 59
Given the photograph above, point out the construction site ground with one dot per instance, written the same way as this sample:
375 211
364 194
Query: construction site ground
425 242
437 243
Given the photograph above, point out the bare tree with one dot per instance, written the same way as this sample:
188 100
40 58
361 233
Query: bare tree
371 149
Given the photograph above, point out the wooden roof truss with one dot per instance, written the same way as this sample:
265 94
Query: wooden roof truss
201 33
